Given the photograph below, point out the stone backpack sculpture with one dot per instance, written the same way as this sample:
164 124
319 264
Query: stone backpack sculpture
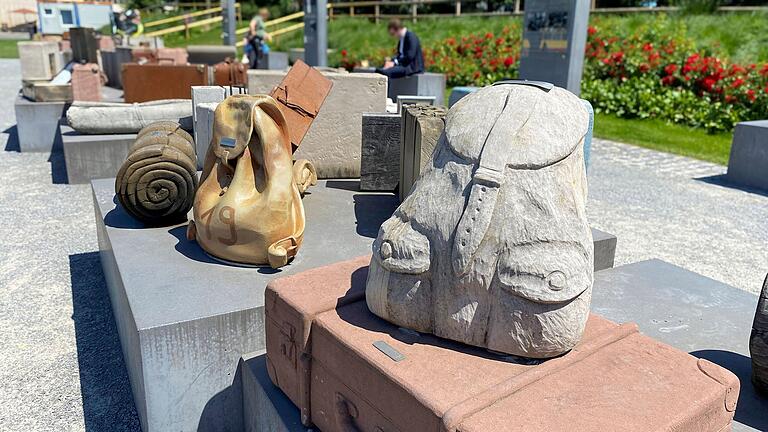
492 246
248 206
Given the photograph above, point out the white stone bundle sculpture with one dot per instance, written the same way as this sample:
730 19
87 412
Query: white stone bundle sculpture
492 247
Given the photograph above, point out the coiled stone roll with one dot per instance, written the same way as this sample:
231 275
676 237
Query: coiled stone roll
156 184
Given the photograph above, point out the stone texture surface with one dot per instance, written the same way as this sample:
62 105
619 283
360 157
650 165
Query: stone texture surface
420 130
380 152
423 84
62 365
748 163
758 344
274 60
113 117
333 142
497 224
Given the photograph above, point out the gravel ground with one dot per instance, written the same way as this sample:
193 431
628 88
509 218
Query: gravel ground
60 363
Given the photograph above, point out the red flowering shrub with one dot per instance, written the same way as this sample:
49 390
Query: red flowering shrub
656 73
476 59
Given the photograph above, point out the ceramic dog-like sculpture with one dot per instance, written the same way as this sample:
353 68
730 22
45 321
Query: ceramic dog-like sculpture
492 246
248 207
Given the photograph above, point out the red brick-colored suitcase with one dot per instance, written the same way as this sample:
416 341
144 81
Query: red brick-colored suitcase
300 96
149 82
347 370
86 82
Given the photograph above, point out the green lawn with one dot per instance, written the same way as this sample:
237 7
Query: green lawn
8 49
658 135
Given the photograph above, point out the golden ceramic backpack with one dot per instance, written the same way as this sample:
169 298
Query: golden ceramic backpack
248 206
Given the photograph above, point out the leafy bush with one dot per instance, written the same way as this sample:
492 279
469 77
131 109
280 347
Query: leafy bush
654 72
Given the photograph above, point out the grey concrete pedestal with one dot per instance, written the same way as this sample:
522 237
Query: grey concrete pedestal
423 84
748 162
185 319
37 124
89 157
688 311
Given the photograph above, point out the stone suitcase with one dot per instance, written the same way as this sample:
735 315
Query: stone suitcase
421 127
230 73
86 82
346 369
150 82
300 96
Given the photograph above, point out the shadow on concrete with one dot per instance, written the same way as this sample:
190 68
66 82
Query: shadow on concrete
224 411
722 181
12 145
349 184
751 408
371 211
106 391
192 250
119 218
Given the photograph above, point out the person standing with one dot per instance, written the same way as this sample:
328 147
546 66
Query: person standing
408 59
257 35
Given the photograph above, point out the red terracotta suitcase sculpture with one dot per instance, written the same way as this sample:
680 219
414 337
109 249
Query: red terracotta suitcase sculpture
348 370
86 82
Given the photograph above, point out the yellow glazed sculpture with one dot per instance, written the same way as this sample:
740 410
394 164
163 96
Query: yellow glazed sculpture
248 207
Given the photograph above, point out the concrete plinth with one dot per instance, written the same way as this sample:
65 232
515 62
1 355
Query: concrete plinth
605 249
690 312
37 124
89 157
184 319
380 152
424 84
333 141
748 163
459 92
274 60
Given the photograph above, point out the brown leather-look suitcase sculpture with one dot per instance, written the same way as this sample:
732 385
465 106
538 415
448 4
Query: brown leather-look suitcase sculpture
348 370
230 73
150 82
300 96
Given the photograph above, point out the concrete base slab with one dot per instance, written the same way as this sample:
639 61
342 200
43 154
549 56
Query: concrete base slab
274 60
424 84
89 157
748 162
184 319
37 124
459 92
706 318
265 407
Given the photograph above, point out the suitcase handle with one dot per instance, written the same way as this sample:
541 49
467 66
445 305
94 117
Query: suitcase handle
346 414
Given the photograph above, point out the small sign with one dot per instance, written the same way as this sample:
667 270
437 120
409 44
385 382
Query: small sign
389 351
228 142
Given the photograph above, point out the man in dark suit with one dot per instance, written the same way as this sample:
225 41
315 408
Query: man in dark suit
409 59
